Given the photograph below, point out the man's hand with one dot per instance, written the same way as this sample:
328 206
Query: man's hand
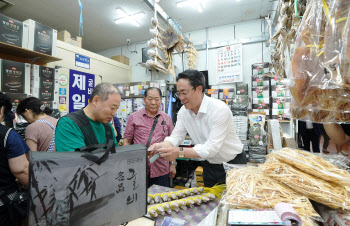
169 154
156 146
172 171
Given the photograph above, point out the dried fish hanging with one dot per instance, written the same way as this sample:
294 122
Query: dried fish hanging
164 43
191 56
320 66
281 41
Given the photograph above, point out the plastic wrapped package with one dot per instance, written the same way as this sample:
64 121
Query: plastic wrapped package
336 66
338 160
260 92
241 125
257 135
280 91
239 113
313 165
249 188
240 103
241 89
257 150
261 103
326 193
320 65
280 102
257 159
260 80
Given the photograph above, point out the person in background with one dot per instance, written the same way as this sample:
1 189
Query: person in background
13 165
138 131
209 122
40 134
117 127
339 135
89 125
310 132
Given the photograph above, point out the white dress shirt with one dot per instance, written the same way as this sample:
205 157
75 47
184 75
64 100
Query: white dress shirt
212 131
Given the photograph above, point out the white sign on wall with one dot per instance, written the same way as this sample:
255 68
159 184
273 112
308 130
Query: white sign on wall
229 64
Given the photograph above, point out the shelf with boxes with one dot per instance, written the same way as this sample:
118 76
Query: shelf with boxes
261 91
132 98
21 45
27 41
15 53
35 80
238 101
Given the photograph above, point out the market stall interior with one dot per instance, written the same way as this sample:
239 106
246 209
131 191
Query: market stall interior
188 112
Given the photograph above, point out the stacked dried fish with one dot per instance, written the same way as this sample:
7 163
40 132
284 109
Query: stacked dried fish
249 188
163 44
313 165
315 188
191 56
288 23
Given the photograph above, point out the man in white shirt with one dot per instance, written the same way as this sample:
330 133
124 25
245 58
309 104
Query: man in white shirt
209 122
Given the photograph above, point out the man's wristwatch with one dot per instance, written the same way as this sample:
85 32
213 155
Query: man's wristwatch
181 153
173 163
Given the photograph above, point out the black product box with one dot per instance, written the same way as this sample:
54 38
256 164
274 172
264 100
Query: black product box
15 76
43 83
41 38
43 72
44 94
13 32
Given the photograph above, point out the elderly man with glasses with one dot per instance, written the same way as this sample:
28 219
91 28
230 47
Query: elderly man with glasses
209 122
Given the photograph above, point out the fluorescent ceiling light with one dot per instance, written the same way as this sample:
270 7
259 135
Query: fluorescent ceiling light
197 4
125 18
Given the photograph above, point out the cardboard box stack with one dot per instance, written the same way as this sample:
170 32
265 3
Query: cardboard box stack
65 36
199 176
122 59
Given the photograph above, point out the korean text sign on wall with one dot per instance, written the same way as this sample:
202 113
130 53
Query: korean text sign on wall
80 88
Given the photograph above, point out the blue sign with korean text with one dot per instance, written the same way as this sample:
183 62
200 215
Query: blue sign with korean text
81 85
82 61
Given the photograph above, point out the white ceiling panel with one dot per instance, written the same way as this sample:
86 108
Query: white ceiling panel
100 31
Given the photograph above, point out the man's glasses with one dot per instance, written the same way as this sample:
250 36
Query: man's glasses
183 93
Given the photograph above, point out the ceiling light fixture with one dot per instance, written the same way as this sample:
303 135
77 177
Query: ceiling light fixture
131 19
197 4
